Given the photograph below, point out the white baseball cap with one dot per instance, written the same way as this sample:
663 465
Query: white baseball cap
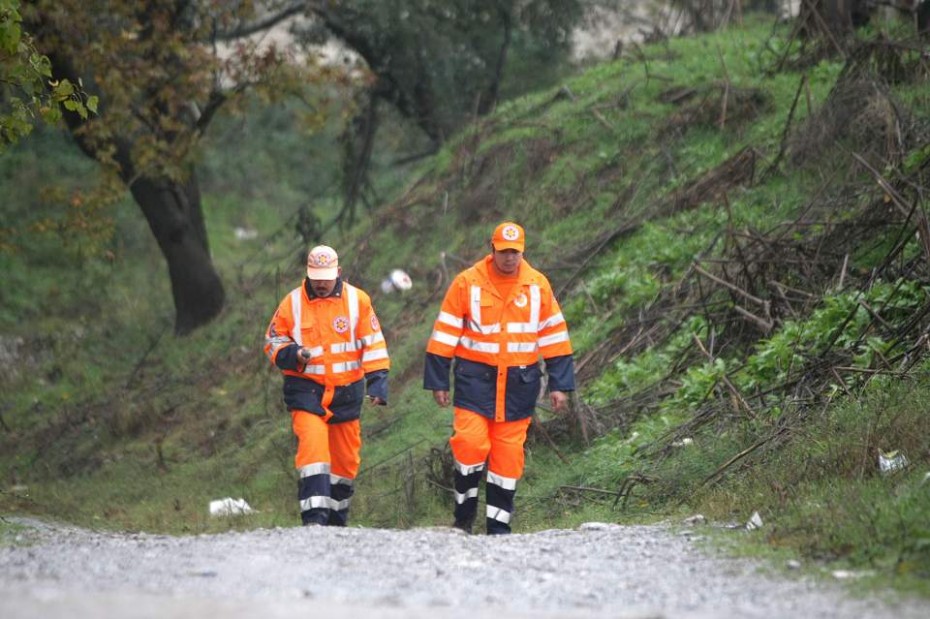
322 263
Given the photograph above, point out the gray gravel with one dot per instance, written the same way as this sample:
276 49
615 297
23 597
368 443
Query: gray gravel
599 570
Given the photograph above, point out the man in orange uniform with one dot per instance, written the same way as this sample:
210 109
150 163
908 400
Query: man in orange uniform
498 317
326 340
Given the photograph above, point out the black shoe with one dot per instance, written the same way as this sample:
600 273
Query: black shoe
463 525
498 528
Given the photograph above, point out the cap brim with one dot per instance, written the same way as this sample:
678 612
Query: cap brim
502 245
323 274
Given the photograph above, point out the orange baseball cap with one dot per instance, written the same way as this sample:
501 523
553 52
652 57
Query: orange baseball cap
322 263
509 235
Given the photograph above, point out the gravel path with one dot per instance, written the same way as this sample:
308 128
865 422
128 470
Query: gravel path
596 571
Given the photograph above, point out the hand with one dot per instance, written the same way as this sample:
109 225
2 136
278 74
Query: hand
303 355
376 401
441 397
559 400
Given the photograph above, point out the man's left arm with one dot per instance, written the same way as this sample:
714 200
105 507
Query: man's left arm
375 359
555 346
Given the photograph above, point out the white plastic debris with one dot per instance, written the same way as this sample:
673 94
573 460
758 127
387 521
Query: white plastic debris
849 574
695 519
683 442
755 522
397 280
245 234
925 479
230 507
891 461
793 564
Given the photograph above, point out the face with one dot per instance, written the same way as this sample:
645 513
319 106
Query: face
507 261
323 287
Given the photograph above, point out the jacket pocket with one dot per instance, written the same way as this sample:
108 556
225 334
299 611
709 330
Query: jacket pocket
347 402
475 386
303 394
523 385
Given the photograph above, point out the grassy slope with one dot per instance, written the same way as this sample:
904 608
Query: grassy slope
112 422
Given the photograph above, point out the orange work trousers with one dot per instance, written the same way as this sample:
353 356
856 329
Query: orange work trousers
339 444
477 439
328 459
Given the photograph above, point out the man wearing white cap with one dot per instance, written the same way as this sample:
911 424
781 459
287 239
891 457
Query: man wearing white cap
327 341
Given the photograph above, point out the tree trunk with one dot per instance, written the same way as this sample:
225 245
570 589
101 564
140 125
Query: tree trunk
175 216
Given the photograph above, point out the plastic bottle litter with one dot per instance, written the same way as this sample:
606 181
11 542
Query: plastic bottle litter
230 507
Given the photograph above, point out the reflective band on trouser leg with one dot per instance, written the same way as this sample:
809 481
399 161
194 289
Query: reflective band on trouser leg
313 464
470 445
345 444
505 467
466 480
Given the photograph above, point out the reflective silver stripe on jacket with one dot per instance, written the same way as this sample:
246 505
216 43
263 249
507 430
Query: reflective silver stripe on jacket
348 366
552 321
374 355
352 297
555 338
372 339
445 338
448 319
343 347
295 310
488 347
475 311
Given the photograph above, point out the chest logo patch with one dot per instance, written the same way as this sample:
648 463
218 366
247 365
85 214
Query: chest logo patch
521 301
341 324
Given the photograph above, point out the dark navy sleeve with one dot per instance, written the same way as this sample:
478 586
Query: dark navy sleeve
377 384
561 372
436 372
286 358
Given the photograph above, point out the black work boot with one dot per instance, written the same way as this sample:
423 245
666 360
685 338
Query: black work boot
465 525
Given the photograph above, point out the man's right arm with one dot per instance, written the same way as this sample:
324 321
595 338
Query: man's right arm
280 347
442 344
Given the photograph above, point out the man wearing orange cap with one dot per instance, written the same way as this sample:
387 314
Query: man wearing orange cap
497 319
326 340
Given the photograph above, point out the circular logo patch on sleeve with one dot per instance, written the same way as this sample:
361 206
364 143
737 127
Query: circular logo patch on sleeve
375 325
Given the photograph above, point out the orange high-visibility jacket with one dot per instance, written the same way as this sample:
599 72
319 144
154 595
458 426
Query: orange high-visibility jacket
346 347
497 343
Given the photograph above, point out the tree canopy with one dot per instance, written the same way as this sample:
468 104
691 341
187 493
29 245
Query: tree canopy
27 91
